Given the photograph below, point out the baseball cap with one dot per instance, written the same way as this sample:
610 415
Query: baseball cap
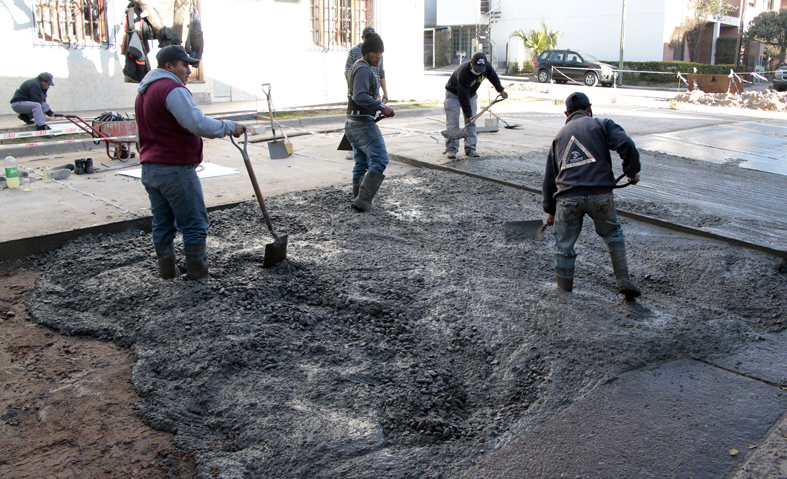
47 77
173 53
577 100
367 31
479 61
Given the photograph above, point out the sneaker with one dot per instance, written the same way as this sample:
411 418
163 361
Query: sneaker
60 174
450 154
472 154
25 119
349 156
44 128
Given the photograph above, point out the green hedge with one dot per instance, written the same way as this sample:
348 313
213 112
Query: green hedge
725 49
670 67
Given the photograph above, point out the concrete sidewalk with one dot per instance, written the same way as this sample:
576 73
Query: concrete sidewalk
679 419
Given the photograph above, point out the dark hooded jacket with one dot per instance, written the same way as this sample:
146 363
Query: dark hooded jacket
31 90
579 163
464 84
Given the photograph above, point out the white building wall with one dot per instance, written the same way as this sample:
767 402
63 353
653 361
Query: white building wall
458 12
246 44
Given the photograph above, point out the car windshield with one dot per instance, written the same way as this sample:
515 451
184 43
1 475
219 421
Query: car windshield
589 58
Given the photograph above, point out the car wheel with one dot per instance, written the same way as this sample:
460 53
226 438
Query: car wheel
543 76
591 79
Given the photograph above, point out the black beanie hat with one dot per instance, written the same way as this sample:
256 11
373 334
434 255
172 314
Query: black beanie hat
373 43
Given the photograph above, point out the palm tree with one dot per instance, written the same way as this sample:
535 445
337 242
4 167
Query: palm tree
539 40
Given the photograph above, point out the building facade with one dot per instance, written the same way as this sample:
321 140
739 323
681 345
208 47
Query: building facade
593 27
298 46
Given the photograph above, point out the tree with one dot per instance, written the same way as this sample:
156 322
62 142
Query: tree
770 28
694 26
539 40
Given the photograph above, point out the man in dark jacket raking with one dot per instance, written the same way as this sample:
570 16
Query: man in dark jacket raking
363 103
170 129
579 181
460 96
29 101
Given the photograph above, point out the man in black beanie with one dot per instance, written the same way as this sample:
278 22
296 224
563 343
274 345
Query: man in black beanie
371 157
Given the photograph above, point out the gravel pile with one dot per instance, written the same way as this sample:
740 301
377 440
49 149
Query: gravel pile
756 100
403 343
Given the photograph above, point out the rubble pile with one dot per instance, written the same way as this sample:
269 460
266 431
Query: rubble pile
768 100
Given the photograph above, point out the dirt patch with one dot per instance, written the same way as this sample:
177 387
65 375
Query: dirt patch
68 408
406 342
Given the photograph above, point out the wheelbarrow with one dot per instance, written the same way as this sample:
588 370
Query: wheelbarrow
119 136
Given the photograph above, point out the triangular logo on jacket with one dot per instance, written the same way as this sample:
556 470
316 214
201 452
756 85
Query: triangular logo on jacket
575 155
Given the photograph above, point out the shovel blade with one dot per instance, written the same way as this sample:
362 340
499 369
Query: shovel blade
522 231
278 149
275 252
345 145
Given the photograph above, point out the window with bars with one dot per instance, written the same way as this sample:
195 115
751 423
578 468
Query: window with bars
339 22
71 22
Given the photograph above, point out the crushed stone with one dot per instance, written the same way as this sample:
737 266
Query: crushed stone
406 342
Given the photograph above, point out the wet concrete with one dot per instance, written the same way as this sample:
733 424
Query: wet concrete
684 419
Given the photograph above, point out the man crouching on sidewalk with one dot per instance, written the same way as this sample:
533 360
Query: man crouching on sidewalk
170 127
371 157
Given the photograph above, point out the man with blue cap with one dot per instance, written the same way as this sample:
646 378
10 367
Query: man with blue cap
579 180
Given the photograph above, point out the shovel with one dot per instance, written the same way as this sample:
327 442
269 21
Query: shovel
510 127
276 148
533 230
345 145
276 251
457 133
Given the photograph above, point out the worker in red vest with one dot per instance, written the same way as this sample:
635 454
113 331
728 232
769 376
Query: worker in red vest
170 129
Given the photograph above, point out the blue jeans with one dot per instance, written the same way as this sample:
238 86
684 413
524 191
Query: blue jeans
568 224
368 146
176 202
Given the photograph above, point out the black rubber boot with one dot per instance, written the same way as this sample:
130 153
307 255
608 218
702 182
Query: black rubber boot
196 261
626 287
167 266
356 186
89 166
369 186
79 166
565 278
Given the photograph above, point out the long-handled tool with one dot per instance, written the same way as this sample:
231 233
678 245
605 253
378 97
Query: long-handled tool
278 149
510 127
533 230
276 251
345 145
459 133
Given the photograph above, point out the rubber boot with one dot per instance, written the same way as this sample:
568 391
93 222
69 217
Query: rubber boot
89 166
356 186
165 252
369 186
617 251
196 261
79 166
565 278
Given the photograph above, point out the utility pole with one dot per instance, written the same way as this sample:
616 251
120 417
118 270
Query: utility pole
622 37
740 35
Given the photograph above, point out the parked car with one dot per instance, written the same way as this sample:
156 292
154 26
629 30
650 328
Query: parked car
780 79
573 65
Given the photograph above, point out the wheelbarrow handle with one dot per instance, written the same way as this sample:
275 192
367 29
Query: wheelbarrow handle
60 115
